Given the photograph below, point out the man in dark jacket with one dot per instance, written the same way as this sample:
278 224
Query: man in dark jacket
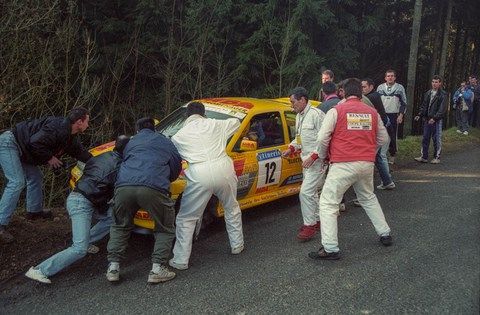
89 199
381 161
32 143
432 111
150 163
329 96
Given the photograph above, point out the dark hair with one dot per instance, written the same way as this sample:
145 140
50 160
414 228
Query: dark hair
341 84
121 143
145 123
329 88
329 73
369 81
353 87
195 108
299 92
473 76
76 114
437 77
391 71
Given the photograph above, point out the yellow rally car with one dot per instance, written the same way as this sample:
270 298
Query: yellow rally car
267 127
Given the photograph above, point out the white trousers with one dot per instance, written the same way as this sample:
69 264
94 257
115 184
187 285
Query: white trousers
340 177
312 182
204 179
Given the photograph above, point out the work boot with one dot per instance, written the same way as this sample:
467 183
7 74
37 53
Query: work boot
5 237
160 273
306 233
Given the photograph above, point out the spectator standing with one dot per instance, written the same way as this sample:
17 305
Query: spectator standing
381 158
330 97
463 106
475 88
395 102
90 198
32 143
350 135
432 112
307 125
201 142
150 162
327 76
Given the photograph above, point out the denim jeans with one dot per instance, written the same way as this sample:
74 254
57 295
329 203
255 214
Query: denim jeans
433 131
81 211
462 118
381 163
18 175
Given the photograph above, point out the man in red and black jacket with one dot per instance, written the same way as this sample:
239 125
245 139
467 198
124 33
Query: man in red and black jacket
26 146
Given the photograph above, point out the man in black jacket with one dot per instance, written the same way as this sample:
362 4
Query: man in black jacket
432 111
90 198
26 146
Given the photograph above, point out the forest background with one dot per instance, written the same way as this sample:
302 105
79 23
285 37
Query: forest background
125 59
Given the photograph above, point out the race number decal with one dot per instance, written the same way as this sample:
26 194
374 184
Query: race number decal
359 121
269 168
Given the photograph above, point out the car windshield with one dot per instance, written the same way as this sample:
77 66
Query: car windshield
173 122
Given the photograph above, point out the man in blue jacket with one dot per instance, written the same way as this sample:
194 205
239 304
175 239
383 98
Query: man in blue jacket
463 106
150 163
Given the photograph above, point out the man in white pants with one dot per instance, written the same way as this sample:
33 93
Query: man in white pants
307 124
201 142
350 136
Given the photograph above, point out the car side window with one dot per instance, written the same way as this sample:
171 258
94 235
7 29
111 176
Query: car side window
265 129
290 118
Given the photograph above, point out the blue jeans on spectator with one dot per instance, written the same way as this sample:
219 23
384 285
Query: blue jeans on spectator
381 163
462 118
19 175
433 131
81 211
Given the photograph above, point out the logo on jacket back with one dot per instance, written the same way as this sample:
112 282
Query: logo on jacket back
359 121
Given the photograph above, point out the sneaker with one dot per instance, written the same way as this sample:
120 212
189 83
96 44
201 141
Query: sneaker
307 232
237 250
421 160
342 207
322 254
465 133
37 275
160 275
5 236
32 216
113 273
317 226
177 266
435 161
391 160
386 187
386 240
459 131
93 249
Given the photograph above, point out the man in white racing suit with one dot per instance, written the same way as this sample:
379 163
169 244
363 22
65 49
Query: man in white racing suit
201 142
307 124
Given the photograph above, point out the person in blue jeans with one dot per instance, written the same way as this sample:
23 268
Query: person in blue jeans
432 111
32 143
90 199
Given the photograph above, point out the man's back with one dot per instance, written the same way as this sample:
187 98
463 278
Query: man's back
202 139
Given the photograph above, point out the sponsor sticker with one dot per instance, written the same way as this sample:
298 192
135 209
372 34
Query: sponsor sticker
359 121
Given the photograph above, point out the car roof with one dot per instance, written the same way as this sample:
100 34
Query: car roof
246 104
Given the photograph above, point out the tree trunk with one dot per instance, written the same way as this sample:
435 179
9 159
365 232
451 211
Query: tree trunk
436 41
412 65
446 32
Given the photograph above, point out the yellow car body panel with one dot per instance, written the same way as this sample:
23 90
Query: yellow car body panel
263 174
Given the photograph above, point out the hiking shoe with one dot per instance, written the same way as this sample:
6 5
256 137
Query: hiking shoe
93 249
160 275
5 236
322 254
113 272
177 266
386 240
465 133
306 233
421 160
386 187
391 160
237 250
32 216
435 161
342 207
317 226
37 275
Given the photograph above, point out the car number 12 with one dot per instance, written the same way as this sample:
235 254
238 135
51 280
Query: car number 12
269 171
